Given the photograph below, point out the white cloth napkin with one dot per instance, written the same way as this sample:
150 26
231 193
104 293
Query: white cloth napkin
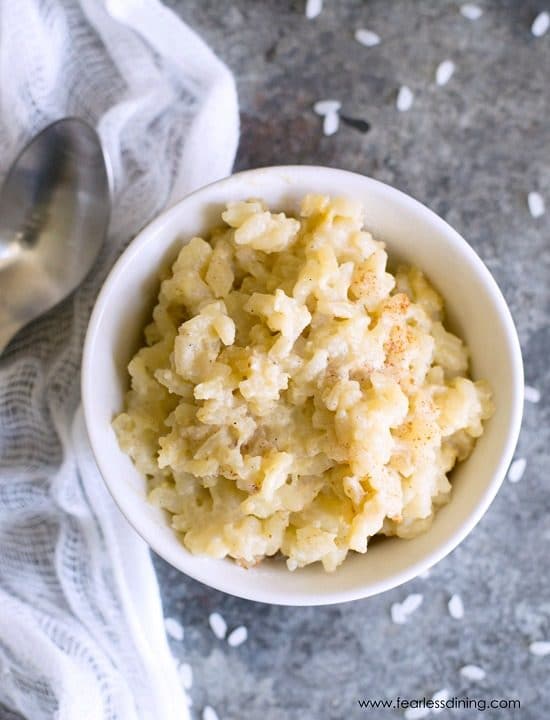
81 627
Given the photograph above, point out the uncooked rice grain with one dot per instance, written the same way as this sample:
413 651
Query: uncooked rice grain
313 8
325 107
535 203
444 72
400 612
471 11
540 648
411 603
532 394
331 123
238 636
186 675
397 614
440 696
517 468
472 672
209 713
456 607
218 625
368 38
405 99
540 24
173 628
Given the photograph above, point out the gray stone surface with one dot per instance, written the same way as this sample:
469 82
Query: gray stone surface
471 151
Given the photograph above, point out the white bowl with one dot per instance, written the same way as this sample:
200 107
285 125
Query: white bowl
475 309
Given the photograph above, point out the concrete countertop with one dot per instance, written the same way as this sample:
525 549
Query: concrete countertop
471 151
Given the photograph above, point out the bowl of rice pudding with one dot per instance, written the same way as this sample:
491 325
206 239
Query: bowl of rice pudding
301 386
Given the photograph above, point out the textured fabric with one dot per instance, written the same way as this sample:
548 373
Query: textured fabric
81 628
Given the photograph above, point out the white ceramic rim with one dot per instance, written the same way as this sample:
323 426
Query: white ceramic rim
176 559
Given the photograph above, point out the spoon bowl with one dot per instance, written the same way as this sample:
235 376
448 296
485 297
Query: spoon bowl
54 212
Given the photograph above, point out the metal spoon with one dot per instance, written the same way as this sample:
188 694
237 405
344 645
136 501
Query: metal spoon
54 212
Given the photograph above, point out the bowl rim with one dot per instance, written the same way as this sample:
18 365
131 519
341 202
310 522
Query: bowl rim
362 590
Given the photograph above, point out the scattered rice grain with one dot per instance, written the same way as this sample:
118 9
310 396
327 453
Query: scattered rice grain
411 603
532 394
397 614
440 696
313 8
517 468
472 672
368 38
400 612
535 203
456 607
324 107
540 648
405 99
173 628
238 636
444 72
331 123
540 24
471 11
217 625
209 713
186 675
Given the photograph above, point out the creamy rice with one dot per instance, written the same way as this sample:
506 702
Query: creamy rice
295 397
